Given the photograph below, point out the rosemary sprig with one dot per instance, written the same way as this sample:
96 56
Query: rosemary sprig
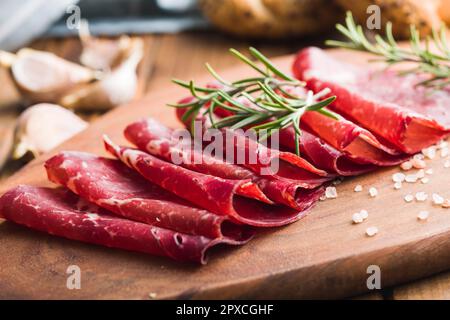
269 106
434 64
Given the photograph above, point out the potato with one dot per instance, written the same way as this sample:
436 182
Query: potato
272 18
402 13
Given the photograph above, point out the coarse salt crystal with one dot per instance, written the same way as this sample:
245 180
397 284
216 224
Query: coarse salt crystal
429 171
356 218
358 188
373 192
446 204
407 165
421 196
323 197
423 215
444 152
420 174
371 231
397 185
411 178
331 192
152 295
418 156
425 180
398 177
447 164
442 144
364 214
409 198
430 152
419 163
437 199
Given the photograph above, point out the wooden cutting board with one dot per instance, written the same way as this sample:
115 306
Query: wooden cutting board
321 256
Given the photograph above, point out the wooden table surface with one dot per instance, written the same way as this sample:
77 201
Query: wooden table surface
183 56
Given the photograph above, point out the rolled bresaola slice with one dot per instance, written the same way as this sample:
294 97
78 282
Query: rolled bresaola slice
153 137
392 107
322 155
112 185
62 213
268 162
209 192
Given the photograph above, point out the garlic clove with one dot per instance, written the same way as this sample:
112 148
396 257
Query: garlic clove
43 77
116 88
44 126
101 54
6 144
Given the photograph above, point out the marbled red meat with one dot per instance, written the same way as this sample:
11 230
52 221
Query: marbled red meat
62 213
215 194
151 136
112 185
392 107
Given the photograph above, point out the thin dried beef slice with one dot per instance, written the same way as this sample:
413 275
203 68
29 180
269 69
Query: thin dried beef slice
151 136
391 106
323 155
60 212
208 192
266 161
112 185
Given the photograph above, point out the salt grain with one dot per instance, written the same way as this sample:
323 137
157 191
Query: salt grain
444 152
407 165
371 231
411 178
397 185
447 164
442 144
421 196
425 180
446 204
373 192
429 171
331 193
152 295
423 215
420 174
409 198
430 152
358 188
398 177
364 214
356 218
437 199
418 163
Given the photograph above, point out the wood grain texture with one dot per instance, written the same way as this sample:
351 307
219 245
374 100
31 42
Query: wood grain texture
322 256
433 288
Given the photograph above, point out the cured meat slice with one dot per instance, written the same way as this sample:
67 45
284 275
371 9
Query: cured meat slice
112 185
268 162
62 213
406 116
151 136
357 143
322 155
209 192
